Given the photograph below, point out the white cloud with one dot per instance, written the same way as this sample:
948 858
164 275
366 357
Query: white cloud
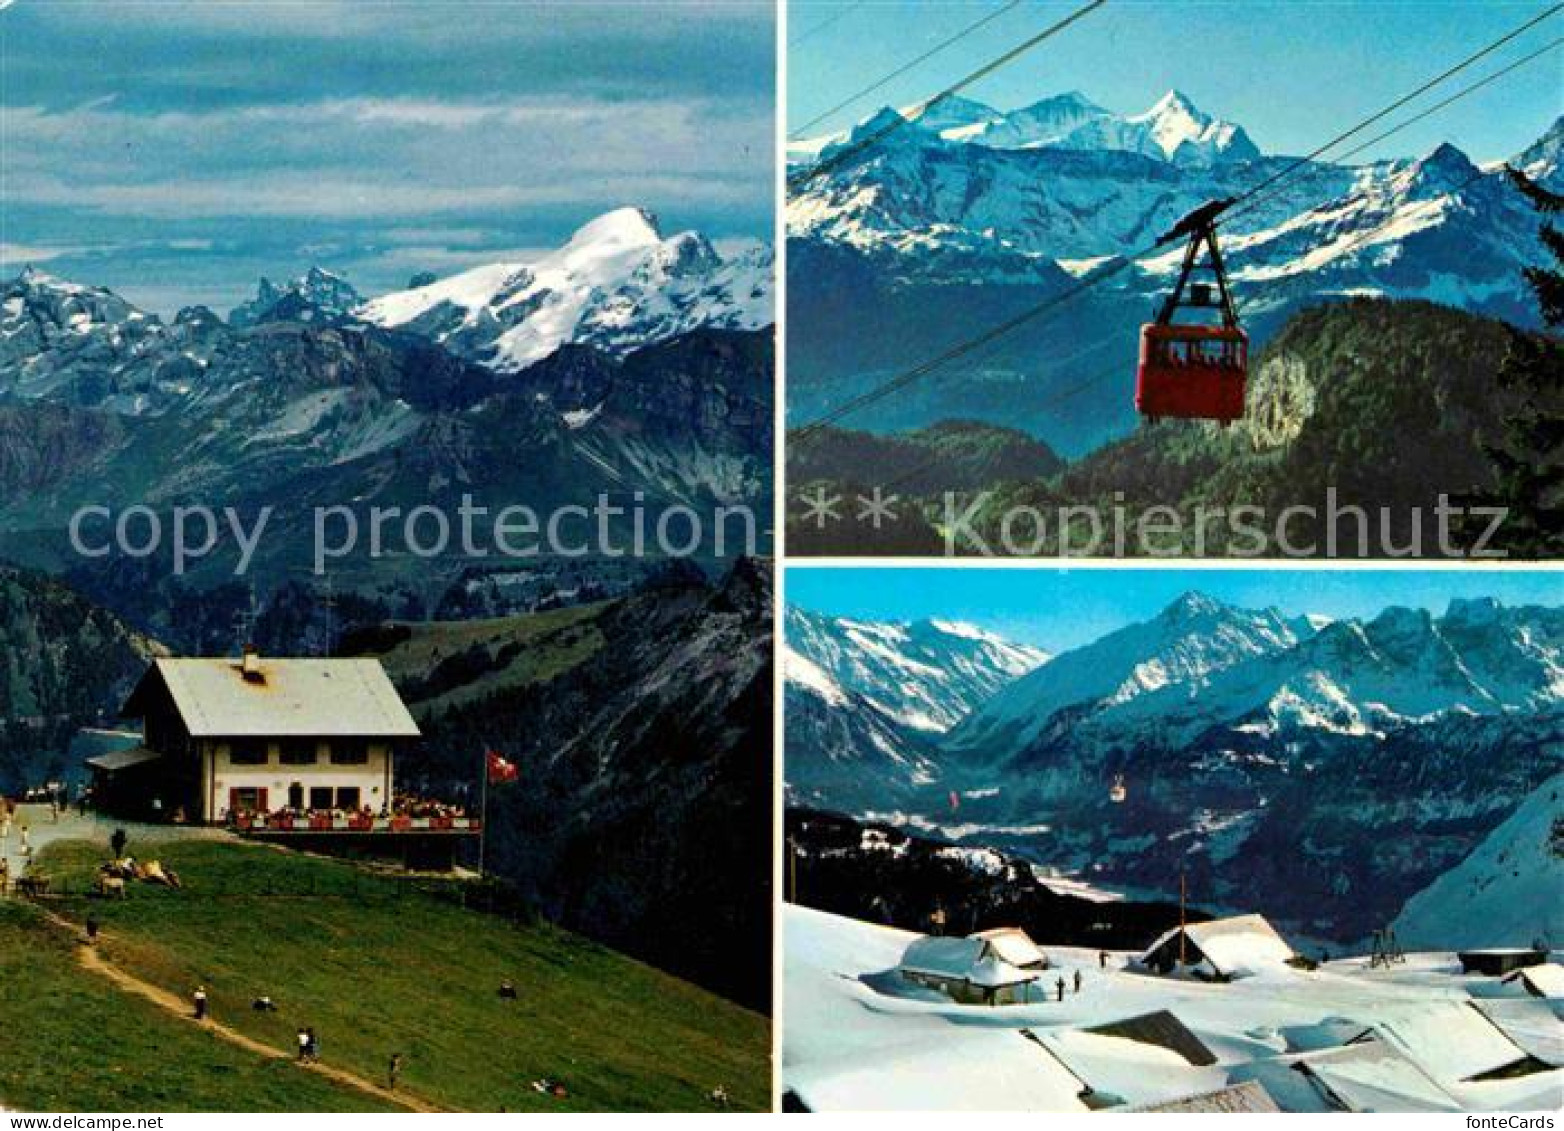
387 159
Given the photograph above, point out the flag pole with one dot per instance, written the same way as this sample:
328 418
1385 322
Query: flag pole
483 817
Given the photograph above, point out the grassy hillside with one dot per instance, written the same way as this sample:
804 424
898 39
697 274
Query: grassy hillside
376 973
641 728
72 1042
444 664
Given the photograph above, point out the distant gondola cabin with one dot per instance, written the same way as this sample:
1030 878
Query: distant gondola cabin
230 737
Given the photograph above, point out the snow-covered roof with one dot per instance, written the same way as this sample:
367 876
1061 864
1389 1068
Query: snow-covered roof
987 1070
291 698
1367 1077
1371 1076
1124 1071
1243 944
1535 1026
1449 1040
1014 946
1546 980
116 760
973 960
1249 1097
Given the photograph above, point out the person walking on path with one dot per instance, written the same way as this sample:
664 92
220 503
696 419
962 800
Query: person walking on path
394 1071
92 929
314 1045
199 998
304 1046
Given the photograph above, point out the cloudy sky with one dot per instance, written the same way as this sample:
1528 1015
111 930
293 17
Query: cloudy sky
1292 72
1065 608
209 143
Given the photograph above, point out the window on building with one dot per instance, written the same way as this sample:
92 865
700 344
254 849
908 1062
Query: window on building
348 752
348 797
320 797
299 752
247 752
247 800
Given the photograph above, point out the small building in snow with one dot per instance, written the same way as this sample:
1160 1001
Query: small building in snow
1499 961
1219 950
1015 946
992 968
224 738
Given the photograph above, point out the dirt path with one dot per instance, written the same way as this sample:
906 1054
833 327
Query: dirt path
93 960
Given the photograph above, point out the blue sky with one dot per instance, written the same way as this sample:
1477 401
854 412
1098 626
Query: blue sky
1293 73
1060 609
176 151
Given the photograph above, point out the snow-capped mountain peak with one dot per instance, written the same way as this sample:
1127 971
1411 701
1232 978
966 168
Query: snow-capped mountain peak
616 284
1542 159
1186 135
318 293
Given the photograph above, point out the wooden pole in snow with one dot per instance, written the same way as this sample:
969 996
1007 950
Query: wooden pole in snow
1183 919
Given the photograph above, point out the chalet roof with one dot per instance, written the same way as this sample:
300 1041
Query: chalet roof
1370 1076
1452 1041
1236 946
1535 1026
1014 946
115 760
1121 1071
291 698
972 959
1248 1097
1546 980
1162 1029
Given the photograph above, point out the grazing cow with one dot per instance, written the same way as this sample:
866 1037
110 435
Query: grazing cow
111 887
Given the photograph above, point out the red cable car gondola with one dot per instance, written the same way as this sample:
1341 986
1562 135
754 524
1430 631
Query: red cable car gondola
1194 370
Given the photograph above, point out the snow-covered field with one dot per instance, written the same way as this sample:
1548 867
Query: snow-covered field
858 1037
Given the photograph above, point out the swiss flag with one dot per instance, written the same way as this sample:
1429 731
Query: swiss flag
501 770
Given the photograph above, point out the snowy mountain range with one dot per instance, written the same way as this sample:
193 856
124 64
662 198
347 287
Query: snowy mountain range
617 284
1065 185
977 214
639 373
1236 732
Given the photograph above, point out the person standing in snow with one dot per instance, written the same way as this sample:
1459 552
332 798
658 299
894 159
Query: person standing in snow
1077 981
1059 985
1102 959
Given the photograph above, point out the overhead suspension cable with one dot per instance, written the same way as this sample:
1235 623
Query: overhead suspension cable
829 21
911 64
1412 121
1398 103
